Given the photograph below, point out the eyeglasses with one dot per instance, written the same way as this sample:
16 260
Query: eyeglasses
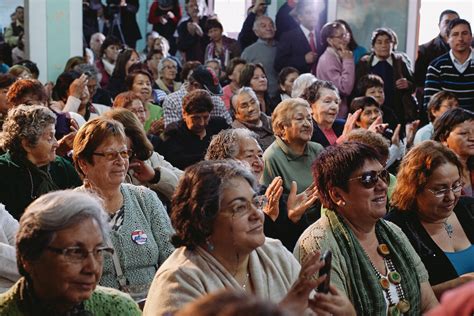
370 178
113 155
456 188
243 207
343 35
78 254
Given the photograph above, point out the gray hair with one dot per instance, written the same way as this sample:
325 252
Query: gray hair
25 122
301 83
161 64
246 90
226 144
283 114
51 213
258 19
89 70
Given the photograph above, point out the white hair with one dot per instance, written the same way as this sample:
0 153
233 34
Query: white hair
301 83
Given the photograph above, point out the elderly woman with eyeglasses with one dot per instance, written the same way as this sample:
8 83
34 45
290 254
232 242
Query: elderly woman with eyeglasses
140 226
373 263
219 231
61 244
30 166
167 71
427 205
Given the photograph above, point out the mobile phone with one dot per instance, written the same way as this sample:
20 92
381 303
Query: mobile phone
325 270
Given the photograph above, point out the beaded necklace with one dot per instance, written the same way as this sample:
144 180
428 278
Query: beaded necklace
393 277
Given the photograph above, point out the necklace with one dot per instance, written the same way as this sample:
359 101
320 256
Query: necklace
448 228
393 277
244 286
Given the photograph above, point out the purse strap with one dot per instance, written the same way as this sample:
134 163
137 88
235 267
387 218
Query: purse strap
122 280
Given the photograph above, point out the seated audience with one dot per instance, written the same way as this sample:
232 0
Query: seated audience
146 167
281 210
192 38
140 227
167 71
254 76
185 142
216 66
6 80
439 103
286 78
199 78
220 46
97 39
30 167
323 96
233 74
263 51
61 246
9 268
439 223
455 130
109 52
73 62
133 102
336 64
373 263
125 59
152 61
97 94
20 72
220 240
247 115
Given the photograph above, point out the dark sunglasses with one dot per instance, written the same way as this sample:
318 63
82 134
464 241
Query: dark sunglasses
370 178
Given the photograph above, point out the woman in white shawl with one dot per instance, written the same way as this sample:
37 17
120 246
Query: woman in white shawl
220 244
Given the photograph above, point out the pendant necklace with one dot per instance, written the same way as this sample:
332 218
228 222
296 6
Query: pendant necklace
448 228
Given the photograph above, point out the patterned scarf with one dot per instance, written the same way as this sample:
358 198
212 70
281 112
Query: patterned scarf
368 297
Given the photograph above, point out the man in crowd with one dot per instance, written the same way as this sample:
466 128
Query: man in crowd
454 71
247 36
264 50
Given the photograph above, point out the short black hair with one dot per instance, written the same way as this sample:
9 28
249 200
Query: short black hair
213 23
446 12
197 101
448 121
379 32
362 103
367 82
436 100
453 23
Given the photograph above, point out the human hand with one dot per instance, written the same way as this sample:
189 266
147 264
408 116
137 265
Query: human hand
163 20
345 53
350 124
141 171
298 204
297 298
396 136
273 194
157 127
170 14
310 57
259 7
190 26
402 83
410 131
65 144
77 87
332 303
377 126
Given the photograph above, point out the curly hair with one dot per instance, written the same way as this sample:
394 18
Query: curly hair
415 170
372 139
312 93
197 199
25 122
125 99
142 147
283 113
197 101
334 166
226 144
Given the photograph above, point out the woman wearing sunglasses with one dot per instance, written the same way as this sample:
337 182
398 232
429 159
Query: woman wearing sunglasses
438 221
373 263
61 247
140 226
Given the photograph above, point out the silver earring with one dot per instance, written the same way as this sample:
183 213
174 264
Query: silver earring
209 245
342 203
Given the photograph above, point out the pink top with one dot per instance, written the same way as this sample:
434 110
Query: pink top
226 96
330 135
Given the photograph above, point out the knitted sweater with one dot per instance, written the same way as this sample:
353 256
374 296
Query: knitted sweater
442 75
103 301
143 214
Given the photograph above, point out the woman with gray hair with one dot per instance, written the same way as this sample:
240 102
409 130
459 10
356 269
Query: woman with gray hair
30 167
167 71
97 94
241 144
63 233
301 83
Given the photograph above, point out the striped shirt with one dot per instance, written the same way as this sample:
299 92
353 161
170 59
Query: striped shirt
443 75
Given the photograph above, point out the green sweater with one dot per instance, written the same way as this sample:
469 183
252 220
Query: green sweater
280 160
103 301
19 184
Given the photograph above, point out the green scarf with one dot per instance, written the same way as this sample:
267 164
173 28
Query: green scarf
368 297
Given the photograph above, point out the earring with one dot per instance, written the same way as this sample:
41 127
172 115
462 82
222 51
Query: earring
341 203
209 245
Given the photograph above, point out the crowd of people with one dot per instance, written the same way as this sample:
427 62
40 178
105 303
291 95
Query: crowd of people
208 175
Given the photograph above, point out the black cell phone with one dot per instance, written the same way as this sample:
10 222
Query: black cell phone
325 270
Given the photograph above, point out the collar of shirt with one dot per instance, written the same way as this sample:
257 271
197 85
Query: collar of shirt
376 60
289 153
261 41
457 62
306 32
